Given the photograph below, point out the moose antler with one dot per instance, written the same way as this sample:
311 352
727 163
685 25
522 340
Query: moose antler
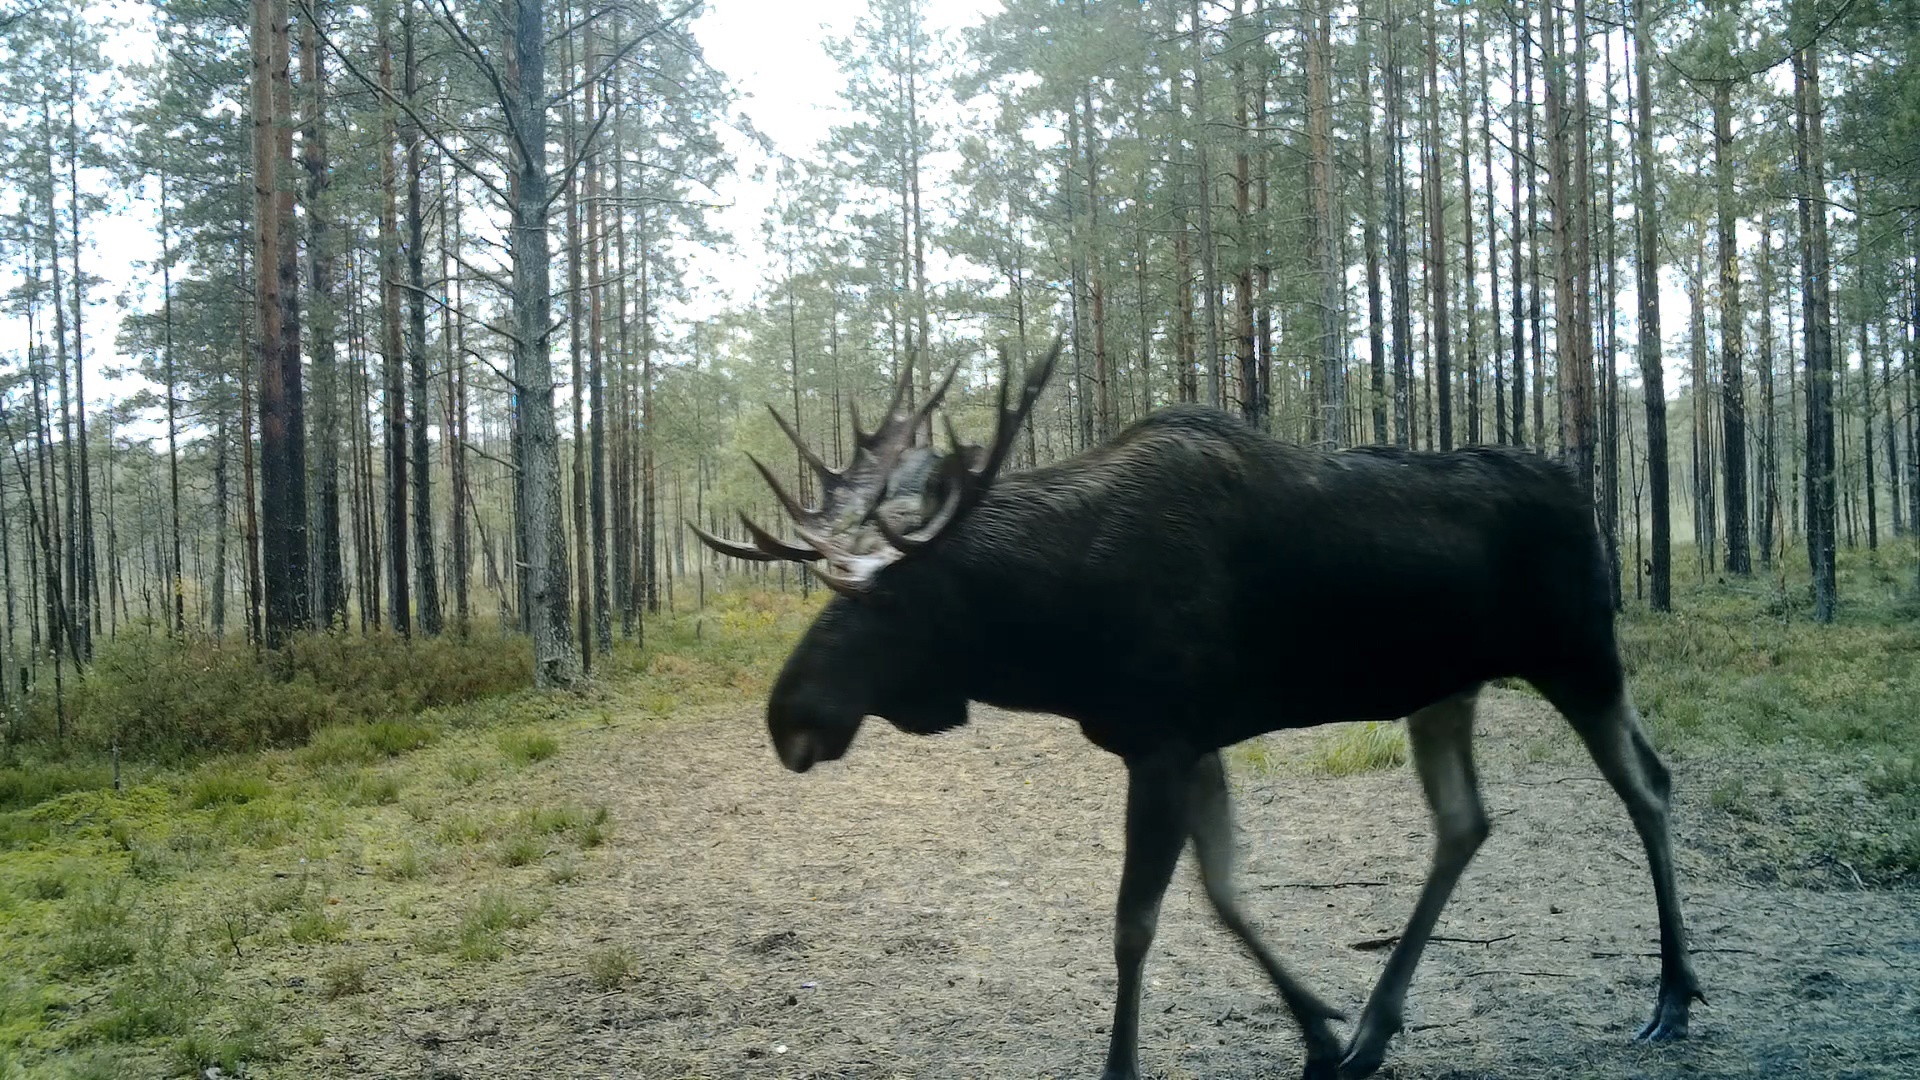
836 530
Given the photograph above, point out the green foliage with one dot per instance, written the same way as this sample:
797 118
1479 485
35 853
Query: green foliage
27 784
1742 668
315 925
483 925
609 966
98 932
159 696
344 977
224 785
527 747
1358 748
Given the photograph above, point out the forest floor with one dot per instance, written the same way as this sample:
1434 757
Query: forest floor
623 882
941 908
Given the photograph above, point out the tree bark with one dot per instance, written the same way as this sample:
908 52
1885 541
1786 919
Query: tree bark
1370 240
1439 301
425 556
399 607
321 320
1325 224
1733 411
554 663
1652 368
1397 244
1818 320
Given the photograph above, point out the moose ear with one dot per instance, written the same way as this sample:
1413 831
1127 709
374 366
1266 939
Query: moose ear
928 716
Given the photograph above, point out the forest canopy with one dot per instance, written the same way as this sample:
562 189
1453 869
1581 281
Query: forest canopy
401 317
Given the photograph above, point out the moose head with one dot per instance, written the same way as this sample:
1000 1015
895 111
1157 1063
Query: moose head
876 538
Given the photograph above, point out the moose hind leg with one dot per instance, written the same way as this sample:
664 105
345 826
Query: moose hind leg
1441 737
1619 746
1156 831
1211 823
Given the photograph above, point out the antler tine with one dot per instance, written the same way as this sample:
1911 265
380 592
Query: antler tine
900 387
731 547
1007 428
820 467
801 516
859 437
777 547
933 399
846 588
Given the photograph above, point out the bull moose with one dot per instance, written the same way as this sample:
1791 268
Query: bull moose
1193 583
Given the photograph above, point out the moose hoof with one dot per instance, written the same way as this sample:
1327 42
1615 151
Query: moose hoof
1670 1014
1664 1027
1321 1069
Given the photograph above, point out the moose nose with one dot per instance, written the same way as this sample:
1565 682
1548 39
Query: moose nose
798 751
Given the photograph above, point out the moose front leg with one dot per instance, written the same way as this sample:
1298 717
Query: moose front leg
1211 822
1156 831
1441 737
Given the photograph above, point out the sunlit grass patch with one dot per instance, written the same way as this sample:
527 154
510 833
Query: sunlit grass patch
527 747
609 966
1371 746
484 923
226 784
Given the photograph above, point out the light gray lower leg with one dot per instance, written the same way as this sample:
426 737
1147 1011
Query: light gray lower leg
1210 821
1441 737
1156 831
1627 759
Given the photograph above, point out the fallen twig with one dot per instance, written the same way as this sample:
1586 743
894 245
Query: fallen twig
1722 949
1371 944
1324 885
1504 971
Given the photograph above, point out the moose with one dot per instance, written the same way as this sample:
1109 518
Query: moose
1193 583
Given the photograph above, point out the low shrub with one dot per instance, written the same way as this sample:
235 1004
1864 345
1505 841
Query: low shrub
161 697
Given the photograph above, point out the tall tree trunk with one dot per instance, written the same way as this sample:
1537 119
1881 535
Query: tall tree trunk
1493 251
83 539
1325 224
539 456
176 582
425 556
1536 338
456 438
1096 281
1769 460
1209 260
1433 186
576 256
321 320
1519 368
1900 522
399 607
1244 351
1576 377
1470 284
1866 432
1397 244
1370 240
222 491
1733 409
1816 298
1652 366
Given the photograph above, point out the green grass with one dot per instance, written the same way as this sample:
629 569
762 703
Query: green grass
484 924
609 966
1740 670
527 747
1360 748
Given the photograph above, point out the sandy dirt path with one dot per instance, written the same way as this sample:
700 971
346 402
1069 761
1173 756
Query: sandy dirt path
941 907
